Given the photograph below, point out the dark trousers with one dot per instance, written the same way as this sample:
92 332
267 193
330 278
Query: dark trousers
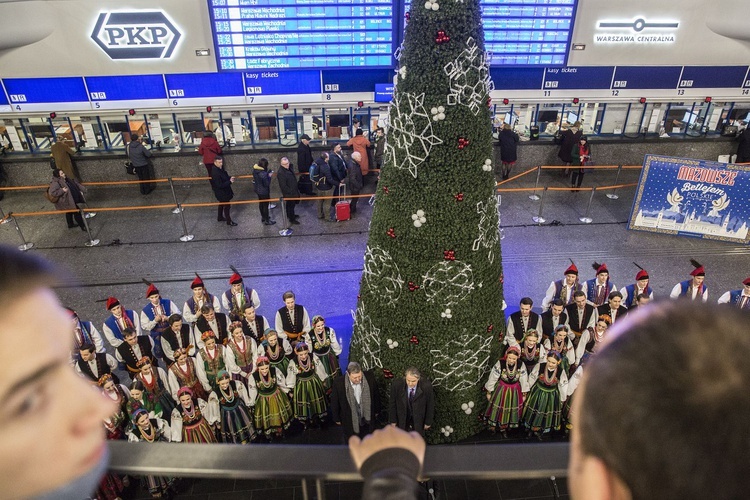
336 192
223 213
70 216
145 173
263 207
577 177
353 204
290 209
209 168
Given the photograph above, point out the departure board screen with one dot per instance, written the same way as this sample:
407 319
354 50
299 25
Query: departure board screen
526 32
277 34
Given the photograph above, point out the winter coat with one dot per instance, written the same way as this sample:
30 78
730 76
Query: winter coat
575 154
508 141
304 157
743 148
262 180
209 148
138 154
354 178
65 199
325 183
338 168
63 156
569 139
288 183
221 184
360 144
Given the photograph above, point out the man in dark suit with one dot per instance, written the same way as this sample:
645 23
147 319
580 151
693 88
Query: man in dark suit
211 320
581 315
355 401
412 404
554 317
614 308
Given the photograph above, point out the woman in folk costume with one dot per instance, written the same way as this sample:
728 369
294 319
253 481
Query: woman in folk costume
152 430
182 373
543 408
192 419
115 424
269 395
210 359
326 350
504 392
562 344
140 399
591 338
235 422
156 385
239 353
304 376
277 350
532 352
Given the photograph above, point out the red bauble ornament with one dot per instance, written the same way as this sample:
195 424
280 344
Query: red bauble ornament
387 373
489 102
449 254
459 197
391 232
441 37
490 328
385 190
502 279
413 287
408 16
414 340
462 142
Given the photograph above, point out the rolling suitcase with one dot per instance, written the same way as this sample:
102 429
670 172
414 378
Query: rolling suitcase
343 210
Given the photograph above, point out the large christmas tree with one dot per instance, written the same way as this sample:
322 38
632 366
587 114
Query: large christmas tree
431 289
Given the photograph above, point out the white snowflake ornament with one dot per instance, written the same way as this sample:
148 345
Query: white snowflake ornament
487 167
430 5
446 314
418 218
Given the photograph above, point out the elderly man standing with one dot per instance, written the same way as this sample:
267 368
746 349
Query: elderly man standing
354 179
412 404
289 189
355 401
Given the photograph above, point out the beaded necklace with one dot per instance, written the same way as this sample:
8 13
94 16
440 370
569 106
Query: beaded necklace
307 366
266 381
275 353
321 341
191 412
149 436
227 397
529 355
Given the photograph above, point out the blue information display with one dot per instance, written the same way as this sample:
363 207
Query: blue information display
703 199
45 90
383 92
707 77
126 88
647 77
275 34
3 100
193 85
282 82
517 78
526 32
581 77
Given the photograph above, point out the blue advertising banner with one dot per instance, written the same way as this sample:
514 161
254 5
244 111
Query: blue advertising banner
697 198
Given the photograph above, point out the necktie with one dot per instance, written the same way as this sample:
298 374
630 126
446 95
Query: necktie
411 395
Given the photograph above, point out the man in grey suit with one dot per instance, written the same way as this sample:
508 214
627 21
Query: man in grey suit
412 404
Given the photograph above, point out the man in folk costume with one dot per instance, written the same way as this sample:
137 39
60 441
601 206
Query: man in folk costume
630 293
133 349
118 321
292 320
238 295
553 318
191 311
183 373
95 365
563 289
640 301
738 298
598 289
179 335
216 322
581 315
84 332
521 322
154 316
613 309
694 288
210 360
253 324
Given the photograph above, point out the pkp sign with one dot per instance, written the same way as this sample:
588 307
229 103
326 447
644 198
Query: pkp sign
136 34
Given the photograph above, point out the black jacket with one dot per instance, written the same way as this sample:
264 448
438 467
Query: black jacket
743 148
423 405
288 183
338 168
508 141
340 410
221 184
354 179
569 139
262 181
221 320
325 182
304 157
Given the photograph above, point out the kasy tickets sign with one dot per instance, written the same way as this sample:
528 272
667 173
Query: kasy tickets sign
703 199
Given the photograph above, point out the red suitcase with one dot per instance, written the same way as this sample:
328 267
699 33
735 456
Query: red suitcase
343 211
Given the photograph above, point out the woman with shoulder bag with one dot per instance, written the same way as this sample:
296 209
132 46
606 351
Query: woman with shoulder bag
581 155
69 194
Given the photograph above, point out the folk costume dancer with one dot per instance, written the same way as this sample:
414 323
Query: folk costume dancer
543 408
234 300
140 399
93 365
310 406
152 430
642 285
561 343
292 320
521 321
694 288
155 315
119 319
325 350
563 289
504 393
84 332
552 318
210 359
191 310
192 419
240 353
133 349
269 394
178 336
235 421
613 308
278 351
183 373
211 320
156 385
581 315
253 324
598 289
738 298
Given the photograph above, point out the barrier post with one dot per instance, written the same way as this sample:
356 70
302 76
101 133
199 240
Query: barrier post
185 235
586 219
534 196
3 220
539 219
613 195
26 245
177 209
92 242
286 230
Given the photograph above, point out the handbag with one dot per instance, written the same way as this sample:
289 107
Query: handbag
129 168
587 166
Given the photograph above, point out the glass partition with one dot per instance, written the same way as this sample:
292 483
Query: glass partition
13 137
116 131
265 127
192 126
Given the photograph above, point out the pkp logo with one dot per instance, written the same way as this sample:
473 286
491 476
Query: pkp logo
136 35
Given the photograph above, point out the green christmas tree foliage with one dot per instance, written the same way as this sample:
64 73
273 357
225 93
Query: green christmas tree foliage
431 289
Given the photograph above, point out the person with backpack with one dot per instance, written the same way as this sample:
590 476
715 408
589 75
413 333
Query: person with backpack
320 174
67 194
262 180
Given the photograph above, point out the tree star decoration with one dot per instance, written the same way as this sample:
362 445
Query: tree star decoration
418 218
488 235
410 129
448 282
470 81
381 276
462 363
368 339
